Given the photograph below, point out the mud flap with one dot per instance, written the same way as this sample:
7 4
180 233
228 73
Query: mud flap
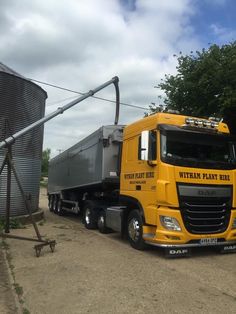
229 248
177 252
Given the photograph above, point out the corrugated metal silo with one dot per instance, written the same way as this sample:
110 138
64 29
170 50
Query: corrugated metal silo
21 103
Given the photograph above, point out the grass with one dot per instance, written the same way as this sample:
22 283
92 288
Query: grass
43 184
13 224
44 180
18 289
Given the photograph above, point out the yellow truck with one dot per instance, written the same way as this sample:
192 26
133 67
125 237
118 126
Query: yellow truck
167 180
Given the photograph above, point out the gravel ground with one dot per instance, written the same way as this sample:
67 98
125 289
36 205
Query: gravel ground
94 273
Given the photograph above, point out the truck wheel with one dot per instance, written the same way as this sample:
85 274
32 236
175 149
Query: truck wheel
102 222
50 203
90 216
60 211
135 230
54 205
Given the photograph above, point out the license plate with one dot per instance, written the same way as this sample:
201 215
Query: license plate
208 241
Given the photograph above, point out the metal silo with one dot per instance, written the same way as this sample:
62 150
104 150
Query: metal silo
21 103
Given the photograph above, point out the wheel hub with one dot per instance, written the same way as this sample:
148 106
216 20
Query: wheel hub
87 216
134 229
101 221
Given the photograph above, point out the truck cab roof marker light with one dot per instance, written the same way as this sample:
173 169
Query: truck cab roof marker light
201 123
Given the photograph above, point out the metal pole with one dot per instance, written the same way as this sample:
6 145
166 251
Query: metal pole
11 139
116 84
28 207
8 199
12 236
3 164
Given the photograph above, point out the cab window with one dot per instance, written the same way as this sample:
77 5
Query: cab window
152 153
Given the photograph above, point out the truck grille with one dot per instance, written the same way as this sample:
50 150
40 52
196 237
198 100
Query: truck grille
205 209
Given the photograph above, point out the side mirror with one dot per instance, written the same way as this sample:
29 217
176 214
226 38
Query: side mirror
144 145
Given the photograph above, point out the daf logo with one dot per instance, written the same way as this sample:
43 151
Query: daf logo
206 192
178 251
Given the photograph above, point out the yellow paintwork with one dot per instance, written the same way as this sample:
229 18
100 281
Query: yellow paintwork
158 194
152 121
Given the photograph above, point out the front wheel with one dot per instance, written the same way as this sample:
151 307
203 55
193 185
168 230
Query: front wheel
135 230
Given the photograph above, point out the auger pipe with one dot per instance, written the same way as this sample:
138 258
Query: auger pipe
60 110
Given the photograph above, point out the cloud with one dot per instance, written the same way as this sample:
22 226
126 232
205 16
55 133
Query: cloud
81 44
224 34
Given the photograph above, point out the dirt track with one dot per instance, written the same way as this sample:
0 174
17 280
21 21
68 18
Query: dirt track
94 273
7 302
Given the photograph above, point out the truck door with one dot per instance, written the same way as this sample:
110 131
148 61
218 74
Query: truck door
139 174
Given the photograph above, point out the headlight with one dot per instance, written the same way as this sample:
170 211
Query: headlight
170 223
234 224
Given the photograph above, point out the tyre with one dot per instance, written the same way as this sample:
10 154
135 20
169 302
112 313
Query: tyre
135 230
102 222
90 215
54 204
50 203
60 211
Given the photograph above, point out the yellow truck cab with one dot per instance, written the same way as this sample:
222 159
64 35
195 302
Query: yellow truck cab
179 172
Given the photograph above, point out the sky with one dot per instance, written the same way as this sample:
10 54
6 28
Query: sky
80 44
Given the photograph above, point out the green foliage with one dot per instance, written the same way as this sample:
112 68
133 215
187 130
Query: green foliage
14 224
43 184
205 84
45 160
18 289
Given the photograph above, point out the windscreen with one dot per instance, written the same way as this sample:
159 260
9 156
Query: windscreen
194 149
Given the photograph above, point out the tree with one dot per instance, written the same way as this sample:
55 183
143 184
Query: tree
45 159
205 84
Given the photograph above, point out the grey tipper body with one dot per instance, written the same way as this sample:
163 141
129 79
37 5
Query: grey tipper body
92 161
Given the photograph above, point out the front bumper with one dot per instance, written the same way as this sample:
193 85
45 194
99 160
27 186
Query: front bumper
191 245
161 237
177 250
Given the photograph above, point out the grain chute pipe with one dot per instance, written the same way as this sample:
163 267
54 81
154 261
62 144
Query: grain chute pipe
11 139
116 84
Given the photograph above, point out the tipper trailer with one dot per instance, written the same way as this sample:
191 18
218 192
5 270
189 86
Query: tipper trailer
167 180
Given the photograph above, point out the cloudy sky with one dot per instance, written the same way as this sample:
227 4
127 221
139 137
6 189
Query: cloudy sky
80 44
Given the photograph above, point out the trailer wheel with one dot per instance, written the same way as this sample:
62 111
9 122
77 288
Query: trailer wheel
102 222
55 200
135 230
50 203
90 216
60 211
